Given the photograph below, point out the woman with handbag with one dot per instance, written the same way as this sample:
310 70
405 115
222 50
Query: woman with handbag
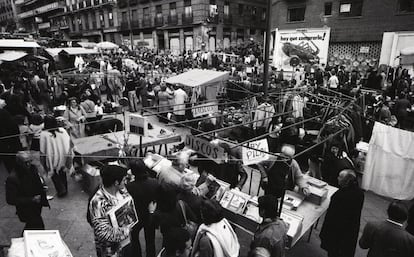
172 213
56 153
215 237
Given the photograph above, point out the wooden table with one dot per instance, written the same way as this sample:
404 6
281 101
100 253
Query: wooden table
100 147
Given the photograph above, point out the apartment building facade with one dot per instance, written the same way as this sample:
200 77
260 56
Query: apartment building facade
8 17
191 24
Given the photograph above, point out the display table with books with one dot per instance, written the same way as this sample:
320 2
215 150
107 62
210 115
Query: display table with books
299 213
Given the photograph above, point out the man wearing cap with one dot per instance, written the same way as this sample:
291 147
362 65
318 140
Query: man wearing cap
24 189
282 174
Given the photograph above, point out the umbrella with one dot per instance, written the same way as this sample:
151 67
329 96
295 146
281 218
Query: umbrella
130 63
107 45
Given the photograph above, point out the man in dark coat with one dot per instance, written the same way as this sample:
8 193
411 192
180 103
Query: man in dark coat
24 189
9 139
388 238
339 233
143 190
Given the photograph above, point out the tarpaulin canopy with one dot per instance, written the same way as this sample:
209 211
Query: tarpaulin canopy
107 45
70 51
9 56
17 43
407 55
197 77
87 44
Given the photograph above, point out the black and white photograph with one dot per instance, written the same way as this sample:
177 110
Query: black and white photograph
207 128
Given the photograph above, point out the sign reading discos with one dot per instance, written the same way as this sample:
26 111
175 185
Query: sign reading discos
204 147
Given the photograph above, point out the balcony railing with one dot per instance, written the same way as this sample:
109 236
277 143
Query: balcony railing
172 20
159 21
40 10
187 19
228 19
146 22
213 18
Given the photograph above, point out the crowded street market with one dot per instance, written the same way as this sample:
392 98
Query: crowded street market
285 146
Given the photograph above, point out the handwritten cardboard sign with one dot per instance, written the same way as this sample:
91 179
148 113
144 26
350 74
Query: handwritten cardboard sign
203 109
204 147
251 156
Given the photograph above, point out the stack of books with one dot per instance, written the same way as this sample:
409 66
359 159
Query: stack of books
41 243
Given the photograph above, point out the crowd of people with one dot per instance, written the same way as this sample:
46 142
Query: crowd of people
191 224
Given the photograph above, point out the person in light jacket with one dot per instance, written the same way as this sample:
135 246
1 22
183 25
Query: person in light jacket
215 237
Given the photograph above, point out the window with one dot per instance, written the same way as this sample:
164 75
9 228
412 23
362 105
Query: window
406 6
101 19
80 23
134 14
173 10
188 10
158 11
241 9
254 11
86 21
263 14
111 18
124 16
296 14
146 12
328 9
94 26
213 8
350 8
226 8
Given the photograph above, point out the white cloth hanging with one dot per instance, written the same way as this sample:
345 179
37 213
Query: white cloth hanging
389 166
264 110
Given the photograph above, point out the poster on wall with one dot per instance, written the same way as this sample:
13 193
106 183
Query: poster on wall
301 47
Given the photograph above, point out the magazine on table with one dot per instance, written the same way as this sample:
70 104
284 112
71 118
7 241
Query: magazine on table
124 215
45 243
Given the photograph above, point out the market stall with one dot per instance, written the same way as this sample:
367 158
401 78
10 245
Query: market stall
201 84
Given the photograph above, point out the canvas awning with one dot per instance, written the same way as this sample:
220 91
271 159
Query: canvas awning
197 77
10 56
70 51
90 45
17 43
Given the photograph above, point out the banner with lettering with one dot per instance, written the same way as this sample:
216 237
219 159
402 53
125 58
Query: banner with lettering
300 47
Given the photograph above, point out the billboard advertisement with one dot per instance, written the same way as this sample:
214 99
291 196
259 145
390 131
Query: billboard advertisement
300 47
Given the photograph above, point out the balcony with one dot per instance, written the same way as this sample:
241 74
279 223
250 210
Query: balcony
228 19
172 20
146 22
122 3
132 2
42 9
159 21
187 19
213 18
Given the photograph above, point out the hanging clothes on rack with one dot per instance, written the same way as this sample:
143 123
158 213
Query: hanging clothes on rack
263 116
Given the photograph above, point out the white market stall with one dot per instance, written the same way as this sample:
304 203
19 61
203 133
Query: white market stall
206 84
66 56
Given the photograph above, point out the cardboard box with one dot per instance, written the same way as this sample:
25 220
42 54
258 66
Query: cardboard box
317 195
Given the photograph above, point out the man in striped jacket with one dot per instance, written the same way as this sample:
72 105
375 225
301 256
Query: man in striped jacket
109 194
